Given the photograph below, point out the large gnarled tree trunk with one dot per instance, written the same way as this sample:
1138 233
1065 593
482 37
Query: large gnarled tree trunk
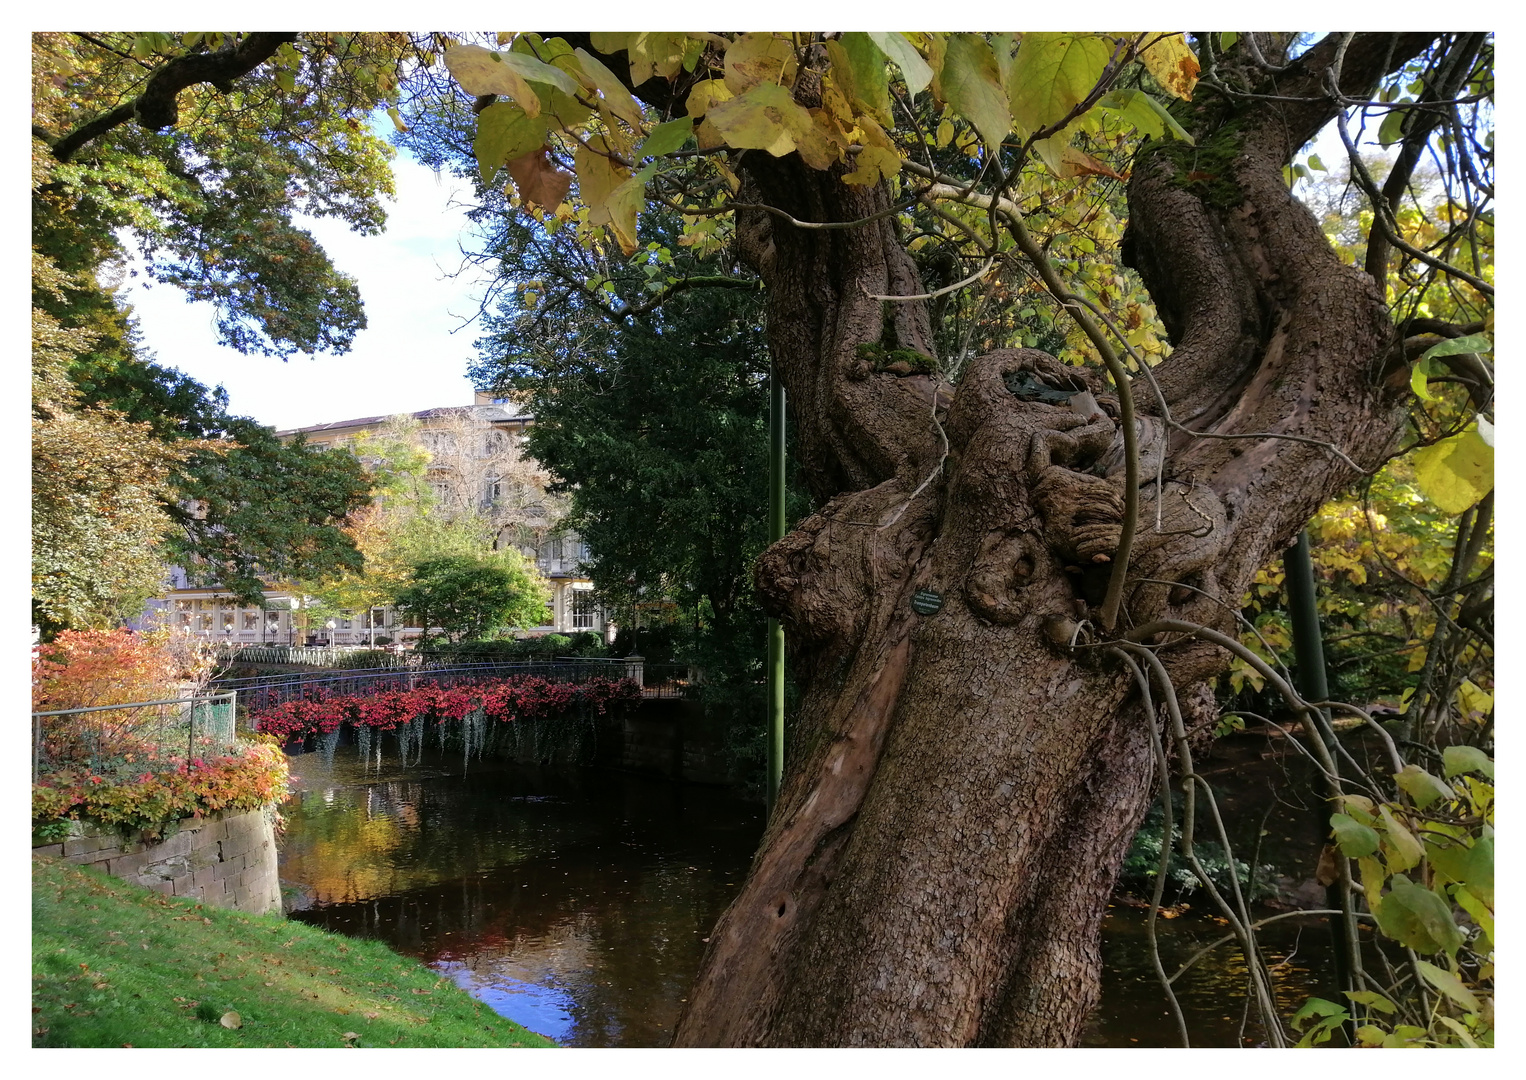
961 787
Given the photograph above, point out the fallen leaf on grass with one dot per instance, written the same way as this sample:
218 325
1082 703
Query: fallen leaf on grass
231 1019
373 1016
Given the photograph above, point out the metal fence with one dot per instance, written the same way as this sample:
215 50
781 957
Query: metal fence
656 680
128 739
319 656
269 690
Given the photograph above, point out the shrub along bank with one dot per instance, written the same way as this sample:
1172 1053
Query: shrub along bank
117 965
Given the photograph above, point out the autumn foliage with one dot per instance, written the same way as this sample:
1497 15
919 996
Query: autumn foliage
504 700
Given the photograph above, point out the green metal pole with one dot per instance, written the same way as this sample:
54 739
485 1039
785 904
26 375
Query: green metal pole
1314 684
775 631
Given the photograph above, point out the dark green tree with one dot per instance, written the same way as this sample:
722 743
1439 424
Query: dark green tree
470 598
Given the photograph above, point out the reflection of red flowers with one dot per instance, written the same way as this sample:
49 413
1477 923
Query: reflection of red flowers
506 699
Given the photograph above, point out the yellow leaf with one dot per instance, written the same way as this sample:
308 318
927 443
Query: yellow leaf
706 94
480 71
625 203
874 163
615 95
756 59
598 177
1457 472
1170 60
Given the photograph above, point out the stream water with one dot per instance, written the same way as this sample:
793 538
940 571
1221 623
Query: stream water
577 902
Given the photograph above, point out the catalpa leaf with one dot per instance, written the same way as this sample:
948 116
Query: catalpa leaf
598 177
540 182
1457 472
1470 866
1355 840
905 56
667 137
1052 74
482 71
1170 60
1415 916
755 59
1448 984
611 89
858 69
1473 343
505 131
1148 116
1422 786
1456 760
972 86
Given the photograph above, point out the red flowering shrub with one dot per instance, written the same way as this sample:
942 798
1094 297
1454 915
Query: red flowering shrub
253 777
505 700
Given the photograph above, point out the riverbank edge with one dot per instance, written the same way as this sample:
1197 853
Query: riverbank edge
226 859
115 964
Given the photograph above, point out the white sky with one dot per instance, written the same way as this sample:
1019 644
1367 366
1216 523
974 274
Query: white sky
412 354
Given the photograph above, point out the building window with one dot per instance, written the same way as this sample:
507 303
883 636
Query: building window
185 619
183 605
206 621
273 620
494 490
251 620
583 608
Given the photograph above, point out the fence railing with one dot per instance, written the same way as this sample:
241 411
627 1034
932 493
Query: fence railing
133 737
656 680
268 690
320 656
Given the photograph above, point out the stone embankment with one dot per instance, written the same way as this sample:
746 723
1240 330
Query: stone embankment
226 860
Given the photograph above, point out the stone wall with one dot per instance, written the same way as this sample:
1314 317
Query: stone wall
226 860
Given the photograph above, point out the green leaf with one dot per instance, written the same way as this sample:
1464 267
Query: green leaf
1470 866
1388 130
1456 472
1457 1029
1456 760
1148 115
504 132
1473 343
904 56
1448 984
1052 74
1415 916
858 69
1316 164
1355 840
1417 382
1422 786
1370 1035
1477 910
667 137
1316 1007
972 86
1372 1000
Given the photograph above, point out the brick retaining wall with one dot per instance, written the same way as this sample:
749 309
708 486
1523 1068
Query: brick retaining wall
226 860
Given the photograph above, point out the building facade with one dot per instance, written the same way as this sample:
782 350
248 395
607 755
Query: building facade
476 462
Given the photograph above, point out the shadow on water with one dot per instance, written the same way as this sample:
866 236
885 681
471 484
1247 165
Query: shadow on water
577 902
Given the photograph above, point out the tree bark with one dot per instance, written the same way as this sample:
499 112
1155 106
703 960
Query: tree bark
962 786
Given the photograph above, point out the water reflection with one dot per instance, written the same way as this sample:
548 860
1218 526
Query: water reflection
573 903
577 903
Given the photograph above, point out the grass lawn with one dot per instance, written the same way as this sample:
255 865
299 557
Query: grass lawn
116 965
